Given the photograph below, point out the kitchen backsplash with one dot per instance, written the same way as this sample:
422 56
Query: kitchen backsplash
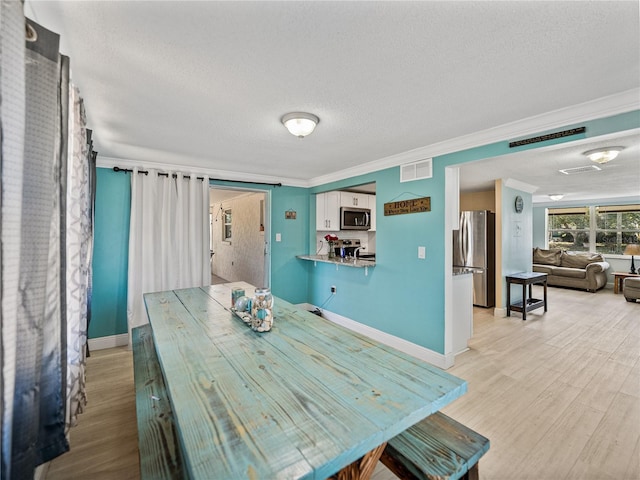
367 240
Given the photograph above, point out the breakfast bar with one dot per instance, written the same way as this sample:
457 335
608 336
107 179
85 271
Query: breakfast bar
304 400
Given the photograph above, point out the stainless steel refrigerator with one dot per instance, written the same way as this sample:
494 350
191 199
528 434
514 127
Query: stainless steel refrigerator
474 248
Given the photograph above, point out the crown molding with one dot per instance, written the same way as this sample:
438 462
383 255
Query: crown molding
518 185
600 108
110 162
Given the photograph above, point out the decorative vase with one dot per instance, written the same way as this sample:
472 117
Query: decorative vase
332 250
262 310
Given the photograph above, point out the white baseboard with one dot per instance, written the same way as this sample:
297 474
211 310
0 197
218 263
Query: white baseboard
500 312
111 341
429 356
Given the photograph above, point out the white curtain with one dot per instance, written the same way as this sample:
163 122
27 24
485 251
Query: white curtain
168 237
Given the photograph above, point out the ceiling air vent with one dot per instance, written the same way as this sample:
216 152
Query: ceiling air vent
416 170
573 171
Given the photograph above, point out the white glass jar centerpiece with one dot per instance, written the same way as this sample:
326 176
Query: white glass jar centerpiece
262 310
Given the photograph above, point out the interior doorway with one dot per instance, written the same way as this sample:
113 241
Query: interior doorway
239 226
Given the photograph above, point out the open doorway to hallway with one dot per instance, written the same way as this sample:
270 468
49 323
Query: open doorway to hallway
239 236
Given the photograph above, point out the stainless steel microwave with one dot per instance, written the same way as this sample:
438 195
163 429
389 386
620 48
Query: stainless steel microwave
355 218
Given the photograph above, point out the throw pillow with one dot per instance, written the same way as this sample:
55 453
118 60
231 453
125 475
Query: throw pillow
579 260
547 257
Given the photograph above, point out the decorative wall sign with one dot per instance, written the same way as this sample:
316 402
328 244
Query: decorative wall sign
402 207
548 136
290 215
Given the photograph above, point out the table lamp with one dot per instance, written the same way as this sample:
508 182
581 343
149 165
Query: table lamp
632 249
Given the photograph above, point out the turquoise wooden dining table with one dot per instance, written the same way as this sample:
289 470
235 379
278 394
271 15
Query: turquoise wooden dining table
304 400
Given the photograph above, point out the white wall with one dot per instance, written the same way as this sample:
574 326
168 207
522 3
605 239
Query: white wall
242 259
517 235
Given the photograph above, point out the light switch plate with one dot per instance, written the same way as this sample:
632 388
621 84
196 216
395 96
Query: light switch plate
422 252
278 237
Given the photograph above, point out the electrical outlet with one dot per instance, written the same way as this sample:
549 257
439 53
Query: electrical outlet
333 289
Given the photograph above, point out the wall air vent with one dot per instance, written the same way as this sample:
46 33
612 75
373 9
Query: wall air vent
585 169
416 170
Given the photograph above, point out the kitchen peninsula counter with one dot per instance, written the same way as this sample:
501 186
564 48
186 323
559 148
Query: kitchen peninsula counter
347 262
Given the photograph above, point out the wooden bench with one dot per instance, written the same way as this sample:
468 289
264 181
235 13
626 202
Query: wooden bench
436 448
159 450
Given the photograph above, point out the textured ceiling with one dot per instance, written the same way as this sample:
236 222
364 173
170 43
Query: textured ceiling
618 179
204 84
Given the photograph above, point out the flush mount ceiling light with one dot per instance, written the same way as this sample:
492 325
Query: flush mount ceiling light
556 196
300 124
603 155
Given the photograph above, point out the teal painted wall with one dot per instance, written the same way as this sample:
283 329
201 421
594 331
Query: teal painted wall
539 227
403 296
289 278
110 254
110 258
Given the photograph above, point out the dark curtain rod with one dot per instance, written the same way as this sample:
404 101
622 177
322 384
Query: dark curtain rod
146 172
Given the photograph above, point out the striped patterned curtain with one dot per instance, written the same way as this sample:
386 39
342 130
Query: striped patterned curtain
81 179
45 227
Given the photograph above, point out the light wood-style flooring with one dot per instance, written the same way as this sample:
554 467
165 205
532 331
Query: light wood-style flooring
216 280
104 444
557 395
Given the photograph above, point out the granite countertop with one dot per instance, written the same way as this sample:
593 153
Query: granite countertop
347 262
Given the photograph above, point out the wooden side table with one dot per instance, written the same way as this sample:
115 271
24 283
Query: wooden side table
527 304
618 278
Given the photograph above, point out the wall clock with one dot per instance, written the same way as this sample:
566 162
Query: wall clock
519 204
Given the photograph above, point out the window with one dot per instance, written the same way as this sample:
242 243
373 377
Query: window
226 226
616 226
569 228
599 229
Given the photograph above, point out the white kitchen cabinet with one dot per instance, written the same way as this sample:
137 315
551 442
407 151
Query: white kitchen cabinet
372 206
328 211
350 199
